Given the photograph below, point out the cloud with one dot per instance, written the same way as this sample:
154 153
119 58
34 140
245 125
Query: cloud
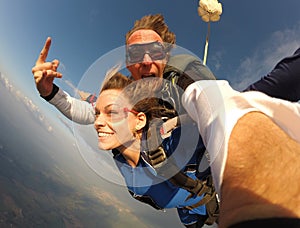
70 84
280 44
109 199
28 103
122 209
216 59
70 87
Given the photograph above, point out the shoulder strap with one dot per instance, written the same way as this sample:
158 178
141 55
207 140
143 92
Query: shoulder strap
180 62
185 69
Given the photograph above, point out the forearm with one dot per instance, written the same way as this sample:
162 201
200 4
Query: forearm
74 109
261 159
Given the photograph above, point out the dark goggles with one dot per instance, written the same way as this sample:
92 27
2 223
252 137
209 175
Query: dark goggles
135 53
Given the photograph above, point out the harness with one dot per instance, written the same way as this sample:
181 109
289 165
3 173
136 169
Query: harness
159 159
165 166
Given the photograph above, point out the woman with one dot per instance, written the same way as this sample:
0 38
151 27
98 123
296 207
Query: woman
122 120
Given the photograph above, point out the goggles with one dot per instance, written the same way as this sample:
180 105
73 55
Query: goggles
135 53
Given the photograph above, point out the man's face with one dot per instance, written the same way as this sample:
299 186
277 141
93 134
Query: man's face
146 56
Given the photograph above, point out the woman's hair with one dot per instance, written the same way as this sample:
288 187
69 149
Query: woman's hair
156 23
142 94
115 80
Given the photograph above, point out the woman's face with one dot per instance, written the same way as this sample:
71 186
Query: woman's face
114 124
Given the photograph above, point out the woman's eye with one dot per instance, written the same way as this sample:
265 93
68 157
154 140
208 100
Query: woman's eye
112 112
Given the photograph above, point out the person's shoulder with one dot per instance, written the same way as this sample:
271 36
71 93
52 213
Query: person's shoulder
181 62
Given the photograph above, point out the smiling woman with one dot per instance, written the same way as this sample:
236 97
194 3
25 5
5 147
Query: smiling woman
113 123
124 111
121 115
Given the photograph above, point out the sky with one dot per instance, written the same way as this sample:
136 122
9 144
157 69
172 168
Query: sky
244 45
249 39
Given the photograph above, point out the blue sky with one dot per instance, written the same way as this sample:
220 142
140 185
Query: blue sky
245 44
248 34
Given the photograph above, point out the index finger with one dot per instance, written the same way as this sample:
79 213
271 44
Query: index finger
44 53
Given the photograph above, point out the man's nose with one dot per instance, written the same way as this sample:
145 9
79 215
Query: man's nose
147 59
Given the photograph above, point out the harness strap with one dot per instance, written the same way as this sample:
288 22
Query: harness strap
204 200
180 62
170 124
195 187
211 202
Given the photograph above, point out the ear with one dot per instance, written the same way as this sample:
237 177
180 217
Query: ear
141 121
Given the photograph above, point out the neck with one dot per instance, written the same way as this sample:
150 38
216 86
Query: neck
131 152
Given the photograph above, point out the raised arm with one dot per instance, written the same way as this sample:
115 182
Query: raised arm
44 74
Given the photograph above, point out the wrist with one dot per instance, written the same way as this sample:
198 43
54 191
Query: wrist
52 94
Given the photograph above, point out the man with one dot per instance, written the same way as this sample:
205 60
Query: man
254 146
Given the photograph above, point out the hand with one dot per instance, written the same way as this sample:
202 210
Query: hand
45 72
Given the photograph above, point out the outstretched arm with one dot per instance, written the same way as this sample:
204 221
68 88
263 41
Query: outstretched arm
254 144
44 74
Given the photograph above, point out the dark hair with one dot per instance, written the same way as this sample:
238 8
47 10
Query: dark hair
156 23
